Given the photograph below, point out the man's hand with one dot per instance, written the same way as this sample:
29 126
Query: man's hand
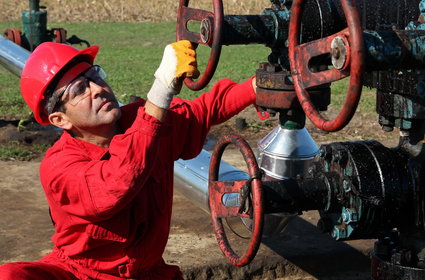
178 62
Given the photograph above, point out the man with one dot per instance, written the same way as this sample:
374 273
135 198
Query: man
109 178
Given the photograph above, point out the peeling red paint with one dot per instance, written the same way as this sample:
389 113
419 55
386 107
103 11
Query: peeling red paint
300 55
219 211
215 20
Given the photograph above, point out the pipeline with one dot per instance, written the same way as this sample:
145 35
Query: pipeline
12 56
191 179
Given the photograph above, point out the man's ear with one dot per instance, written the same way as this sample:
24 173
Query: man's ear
60 120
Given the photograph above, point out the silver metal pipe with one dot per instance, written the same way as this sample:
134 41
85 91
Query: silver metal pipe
191 179
12 56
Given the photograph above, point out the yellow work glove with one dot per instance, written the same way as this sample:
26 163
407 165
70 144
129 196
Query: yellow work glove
178 62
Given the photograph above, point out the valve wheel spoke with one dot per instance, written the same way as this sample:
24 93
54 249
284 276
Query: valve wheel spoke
187 14
299 57
307 51
209 35
13 35
216 190
254 198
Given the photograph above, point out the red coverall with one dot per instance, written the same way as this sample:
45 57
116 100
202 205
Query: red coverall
112 207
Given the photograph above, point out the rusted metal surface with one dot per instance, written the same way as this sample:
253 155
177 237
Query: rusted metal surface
13 35
306 52
276 99
394 49
394 269
250 189
211 29
276 90
273 76
281 99
300 55
60 35
269 28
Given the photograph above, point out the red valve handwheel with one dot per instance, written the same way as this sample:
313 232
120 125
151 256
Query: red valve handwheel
60 35
211 26
300 55
252 190
13 35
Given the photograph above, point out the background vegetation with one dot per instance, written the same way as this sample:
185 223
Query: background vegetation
123 10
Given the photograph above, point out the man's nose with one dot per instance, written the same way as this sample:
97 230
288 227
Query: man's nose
95 89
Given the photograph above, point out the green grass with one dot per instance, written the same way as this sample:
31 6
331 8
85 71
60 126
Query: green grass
17 151
339 93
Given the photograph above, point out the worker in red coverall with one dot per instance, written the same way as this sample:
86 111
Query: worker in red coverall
109 178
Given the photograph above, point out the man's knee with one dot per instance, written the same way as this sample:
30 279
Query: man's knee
10 271
32 271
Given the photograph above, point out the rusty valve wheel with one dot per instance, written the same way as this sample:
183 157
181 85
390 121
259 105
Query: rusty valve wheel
59 35
250 200
209 35
346 49
13 35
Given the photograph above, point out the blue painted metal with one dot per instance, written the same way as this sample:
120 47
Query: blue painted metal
35 25
346 186
349 215
281 18
394 49
267 29
422 8
339 232
416 25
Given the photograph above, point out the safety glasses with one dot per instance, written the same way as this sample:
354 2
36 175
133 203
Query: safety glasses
79 89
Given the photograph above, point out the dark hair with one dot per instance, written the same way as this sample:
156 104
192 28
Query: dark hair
52 103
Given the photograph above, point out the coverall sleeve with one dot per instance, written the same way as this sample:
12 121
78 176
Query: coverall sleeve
97 189
193 119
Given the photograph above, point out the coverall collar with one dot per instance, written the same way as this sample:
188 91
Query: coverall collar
93 151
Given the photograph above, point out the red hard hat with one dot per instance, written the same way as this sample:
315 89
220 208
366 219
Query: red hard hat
41 68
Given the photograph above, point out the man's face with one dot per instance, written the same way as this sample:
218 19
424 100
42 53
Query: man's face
89 101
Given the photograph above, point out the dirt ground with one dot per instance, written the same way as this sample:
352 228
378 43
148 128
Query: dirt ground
300 252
